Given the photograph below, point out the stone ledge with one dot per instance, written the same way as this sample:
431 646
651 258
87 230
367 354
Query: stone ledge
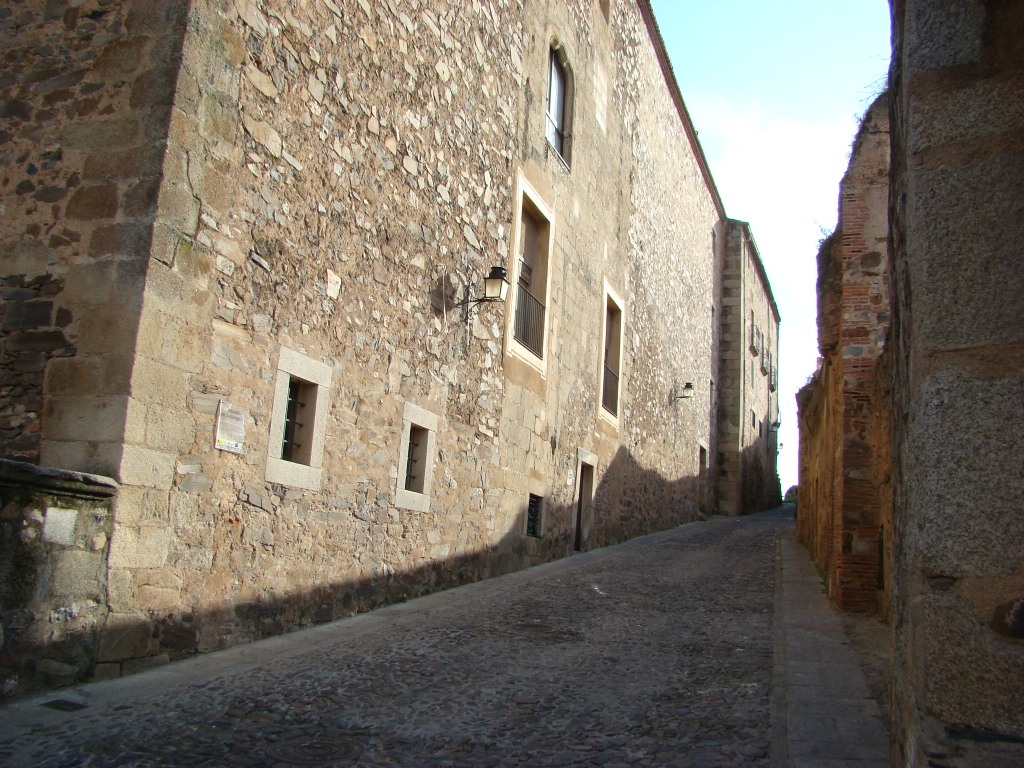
61 482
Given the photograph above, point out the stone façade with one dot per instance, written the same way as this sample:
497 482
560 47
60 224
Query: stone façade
245 192
747 404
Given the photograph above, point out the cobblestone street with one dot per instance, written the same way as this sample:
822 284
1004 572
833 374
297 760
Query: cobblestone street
652 653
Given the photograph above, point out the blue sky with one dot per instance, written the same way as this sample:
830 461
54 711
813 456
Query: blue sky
775 89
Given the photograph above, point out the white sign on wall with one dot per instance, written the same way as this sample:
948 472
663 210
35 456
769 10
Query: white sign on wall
230 433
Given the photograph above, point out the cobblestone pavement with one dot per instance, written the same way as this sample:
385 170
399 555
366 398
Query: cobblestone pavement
657 652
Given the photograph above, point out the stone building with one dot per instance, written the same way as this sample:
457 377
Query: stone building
840 514
748 406
242 243
939 431
957 348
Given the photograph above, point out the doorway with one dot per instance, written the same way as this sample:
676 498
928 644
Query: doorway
702 480
584 503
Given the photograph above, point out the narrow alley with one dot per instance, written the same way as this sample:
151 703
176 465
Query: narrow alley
658 652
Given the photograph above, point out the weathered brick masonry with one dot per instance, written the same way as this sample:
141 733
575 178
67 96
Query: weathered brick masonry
263 202
839 514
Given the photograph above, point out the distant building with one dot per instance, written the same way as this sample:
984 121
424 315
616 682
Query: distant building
748 408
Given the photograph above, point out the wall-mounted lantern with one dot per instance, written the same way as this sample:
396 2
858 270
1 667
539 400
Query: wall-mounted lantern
685 393
495 288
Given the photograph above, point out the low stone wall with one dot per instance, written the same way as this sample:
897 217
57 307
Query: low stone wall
54 537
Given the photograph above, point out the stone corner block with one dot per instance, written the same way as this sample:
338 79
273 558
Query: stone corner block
139 547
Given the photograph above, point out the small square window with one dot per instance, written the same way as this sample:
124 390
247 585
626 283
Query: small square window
534 516
298 421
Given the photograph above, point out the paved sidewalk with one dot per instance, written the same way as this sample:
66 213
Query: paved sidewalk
823 715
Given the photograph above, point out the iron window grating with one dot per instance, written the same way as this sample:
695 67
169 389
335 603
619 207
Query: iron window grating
534 508
295 445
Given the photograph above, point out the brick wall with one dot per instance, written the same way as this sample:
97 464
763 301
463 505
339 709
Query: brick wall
840 510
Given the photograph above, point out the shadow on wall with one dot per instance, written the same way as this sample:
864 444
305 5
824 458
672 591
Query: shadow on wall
57 629
760 488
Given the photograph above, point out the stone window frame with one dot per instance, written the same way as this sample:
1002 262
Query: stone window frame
308 474
561 124
525 192
609 294
413 416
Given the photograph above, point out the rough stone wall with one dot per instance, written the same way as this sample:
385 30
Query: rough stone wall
748 408
842 519
84 101
670 321
54 535
332 179
336 176
958 358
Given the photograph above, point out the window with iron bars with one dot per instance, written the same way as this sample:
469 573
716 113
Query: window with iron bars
530 312
298 418
297 442
529 327
534 511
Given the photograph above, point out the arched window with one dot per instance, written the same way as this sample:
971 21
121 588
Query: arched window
559 104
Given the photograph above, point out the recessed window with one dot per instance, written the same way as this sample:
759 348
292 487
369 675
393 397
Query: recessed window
530 295
416 458
612 348
611 354
559 104
298 421
534 516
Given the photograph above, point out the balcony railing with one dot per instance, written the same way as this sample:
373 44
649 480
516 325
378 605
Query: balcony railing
529 330
610 391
